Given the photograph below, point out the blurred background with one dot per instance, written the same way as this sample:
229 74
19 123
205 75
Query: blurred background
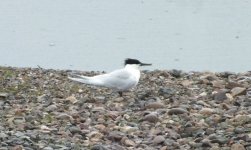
96 35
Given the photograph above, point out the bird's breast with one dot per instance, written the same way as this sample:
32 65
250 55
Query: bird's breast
135 75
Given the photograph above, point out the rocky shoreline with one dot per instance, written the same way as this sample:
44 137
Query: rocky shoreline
42 109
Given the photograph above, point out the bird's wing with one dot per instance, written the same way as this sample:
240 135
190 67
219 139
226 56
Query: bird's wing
118 79
120 74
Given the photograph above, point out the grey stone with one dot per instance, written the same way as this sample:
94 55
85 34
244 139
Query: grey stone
176 111
220 96
98 147
158 139
75 129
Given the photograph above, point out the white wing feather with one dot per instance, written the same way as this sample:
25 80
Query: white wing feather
119 79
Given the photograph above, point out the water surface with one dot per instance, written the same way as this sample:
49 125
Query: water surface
98 35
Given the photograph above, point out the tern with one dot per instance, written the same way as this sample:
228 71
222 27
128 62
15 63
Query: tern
119 80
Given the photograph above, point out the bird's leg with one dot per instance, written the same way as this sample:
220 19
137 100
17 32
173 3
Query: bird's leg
120 93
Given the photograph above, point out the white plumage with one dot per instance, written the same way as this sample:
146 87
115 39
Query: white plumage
119 80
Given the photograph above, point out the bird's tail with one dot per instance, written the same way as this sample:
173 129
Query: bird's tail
85 79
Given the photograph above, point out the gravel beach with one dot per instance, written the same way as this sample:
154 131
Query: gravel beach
169 109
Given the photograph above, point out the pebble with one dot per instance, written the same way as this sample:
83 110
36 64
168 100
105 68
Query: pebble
242 119
74 130
209 76
64 116
119 99
158 139
3 136
118 147
42 109
200 102
127 142
98 109
154 105
220 96
100 98
186 83
94 136
18 120
48 148
3 95
217 139
51 108
100 127
206 143
42 98
249 93
239 130
98 147
128 129
166 92
229 97
152 117
176 73
171 144
164 148
115 135
210 131
176 111
231 85
72 99
206 111
17 147
45 129
238 91
218 84
237 147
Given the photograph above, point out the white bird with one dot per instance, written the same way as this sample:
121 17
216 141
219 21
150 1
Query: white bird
118 80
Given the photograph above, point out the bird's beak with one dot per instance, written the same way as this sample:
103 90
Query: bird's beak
143 64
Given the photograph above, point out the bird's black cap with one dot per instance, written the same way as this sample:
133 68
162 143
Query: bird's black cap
132 61
135 61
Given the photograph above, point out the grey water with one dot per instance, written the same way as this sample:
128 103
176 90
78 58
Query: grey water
192 35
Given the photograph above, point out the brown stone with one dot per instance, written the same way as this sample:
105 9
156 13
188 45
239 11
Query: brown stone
231 85
237 147
238 91
154 105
